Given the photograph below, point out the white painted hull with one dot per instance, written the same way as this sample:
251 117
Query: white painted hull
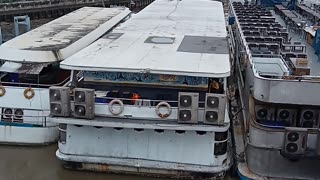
28 135
141 167
142 152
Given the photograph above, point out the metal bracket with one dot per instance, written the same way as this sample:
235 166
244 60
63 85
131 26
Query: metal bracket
21 20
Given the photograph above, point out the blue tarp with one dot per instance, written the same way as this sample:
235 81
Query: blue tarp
271 3
316 43
290 4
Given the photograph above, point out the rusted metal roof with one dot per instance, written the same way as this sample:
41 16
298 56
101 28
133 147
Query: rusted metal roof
167 37
62 37
22 68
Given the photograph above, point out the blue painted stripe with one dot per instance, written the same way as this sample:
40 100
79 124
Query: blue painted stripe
242 177
19 124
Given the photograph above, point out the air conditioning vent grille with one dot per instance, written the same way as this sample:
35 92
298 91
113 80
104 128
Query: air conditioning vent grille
262 113
56 108
292 147
293 136
80 96
284 114
55 95
213 102
308 115
80 110
18 113
185 115
185 101
211 116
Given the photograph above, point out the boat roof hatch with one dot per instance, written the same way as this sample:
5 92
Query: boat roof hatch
62 37
270 66
175 37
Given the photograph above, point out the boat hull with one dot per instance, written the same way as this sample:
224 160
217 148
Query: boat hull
24 135
140 167
143 152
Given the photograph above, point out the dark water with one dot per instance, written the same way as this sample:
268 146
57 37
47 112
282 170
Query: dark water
40 163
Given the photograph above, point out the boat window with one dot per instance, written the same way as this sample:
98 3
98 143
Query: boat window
139 95
216 85
50 74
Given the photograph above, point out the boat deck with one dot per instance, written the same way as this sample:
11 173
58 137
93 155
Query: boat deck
312 57
170 37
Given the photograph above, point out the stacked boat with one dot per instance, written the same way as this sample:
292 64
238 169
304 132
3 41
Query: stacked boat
31 65
149 97
278 133
153 97
149 94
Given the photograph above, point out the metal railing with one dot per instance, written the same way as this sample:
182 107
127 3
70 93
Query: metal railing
139 102
41 122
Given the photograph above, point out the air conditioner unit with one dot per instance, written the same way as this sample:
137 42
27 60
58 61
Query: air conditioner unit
188 107
84 103
264 112
309 118
288 116
7 113
59 101
215 107
18 114
295 142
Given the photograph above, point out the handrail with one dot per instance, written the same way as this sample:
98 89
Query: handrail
150 100
42 121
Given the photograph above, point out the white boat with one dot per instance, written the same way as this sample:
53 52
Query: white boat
277 135
153 97
31 66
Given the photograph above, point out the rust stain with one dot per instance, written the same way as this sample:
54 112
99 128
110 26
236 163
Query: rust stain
103 167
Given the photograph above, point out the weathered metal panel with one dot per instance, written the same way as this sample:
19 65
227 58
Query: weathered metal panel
270 163
140 166
28 135
14 98
274 138
62 37
286 91
132 53
167 146
12 67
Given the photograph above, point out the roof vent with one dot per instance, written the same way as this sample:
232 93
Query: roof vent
160 40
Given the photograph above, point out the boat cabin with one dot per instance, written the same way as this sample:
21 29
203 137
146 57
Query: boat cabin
30 65
157 83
